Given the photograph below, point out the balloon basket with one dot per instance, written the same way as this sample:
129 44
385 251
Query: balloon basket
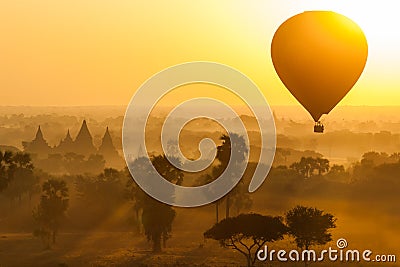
318 127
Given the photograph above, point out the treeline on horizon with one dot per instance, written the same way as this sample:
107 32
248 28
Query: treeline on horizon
344 141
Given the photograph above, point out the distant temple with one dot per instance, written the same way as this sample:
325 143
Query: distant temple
108 150
38 145
83 145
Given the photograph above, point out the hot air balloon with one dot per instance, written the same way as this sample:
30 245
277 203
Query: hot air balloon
319 56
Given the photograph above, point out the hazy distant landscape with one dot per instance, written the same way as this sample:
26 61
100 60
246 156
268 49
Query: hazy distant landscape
103 223
359 129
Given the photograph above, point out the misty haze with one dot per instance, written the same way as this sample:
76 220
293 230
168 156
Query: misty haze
102 219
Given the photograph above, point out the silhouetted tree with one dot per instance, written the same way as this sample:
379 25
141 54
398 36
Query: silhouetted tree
51 210
24 182
337 169
321 165
156 217
394 158
307 166
338 172
224 150
23 160
167 170
247 233
374 158
379 181
223 156
238 197
7 167
367 167
21 179
304 167
309 226
157 221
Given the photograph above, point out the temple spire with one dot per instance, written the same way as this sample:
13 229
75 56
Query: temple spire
68 137
106 143
84 133
38 145
107 149
84 142
66 145
39 134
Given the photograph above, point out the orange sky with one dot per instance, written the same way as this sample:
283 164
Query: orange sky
97 52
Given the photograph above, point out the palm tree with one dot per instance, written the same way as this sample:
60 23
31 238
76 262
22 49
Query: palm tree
224 156
7 168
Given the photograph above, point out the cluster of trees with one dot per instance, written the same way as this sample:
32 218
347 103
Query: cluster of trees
153 218
377 173
71 163
102 193
248 233
375 158
308 166
17 179
112 188
372 166
312 167
16 175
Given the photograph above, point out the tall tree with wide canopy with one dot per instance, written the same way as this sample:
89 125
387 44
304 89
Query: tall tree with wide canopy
223 156
156 217
309 226
247 233
50 212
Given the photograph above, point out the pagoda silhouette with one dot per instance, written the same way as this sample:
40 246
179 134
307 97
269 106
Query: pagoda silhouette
38 146
82 145
107 149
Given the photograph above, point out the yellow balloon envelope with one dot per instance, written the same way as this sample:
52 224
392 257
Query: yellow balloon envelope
319 56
